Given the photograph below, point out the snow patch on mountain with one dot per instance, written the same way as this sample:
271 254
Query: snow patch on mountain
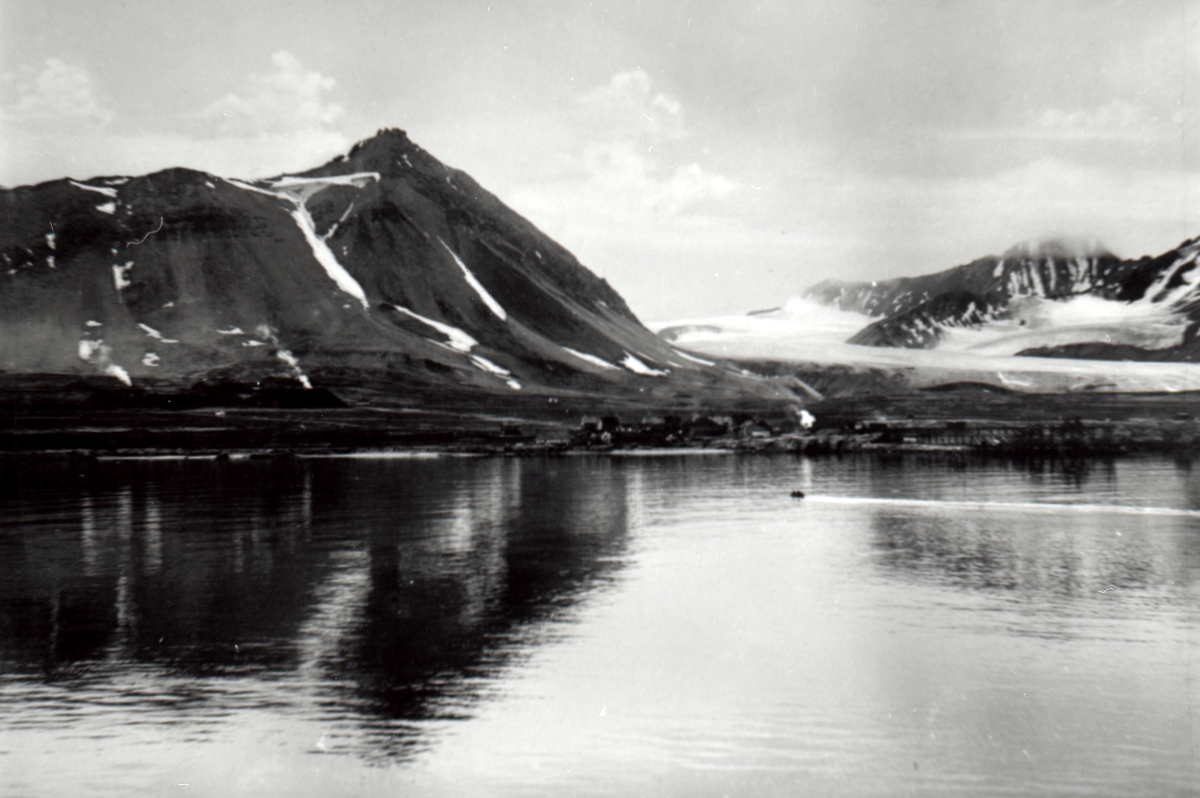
333 228
88 348
242 184
155 334
119 273
1184 273
113 370
483 364
638 367
585 357
326 258
307 186
108 192
477 286
297 191
459 340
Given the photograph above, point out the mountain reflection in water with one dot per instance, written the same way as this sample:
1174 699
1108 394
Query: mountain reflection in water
387 591
679 625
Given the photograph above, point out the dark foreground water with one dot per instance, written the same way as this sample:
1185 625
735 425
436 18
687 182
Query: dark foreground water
671 626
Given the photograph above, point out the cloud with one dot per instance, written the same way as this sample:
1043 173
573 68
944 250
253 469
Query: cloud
620 174
280 121
633 167
627 107
60 93
285 100
628 158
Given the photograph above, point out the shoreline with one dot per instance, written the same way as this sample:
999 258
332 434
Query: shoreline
809 446
962 422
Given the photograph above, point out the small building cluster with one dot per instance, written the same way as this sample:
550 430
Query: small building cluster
668 431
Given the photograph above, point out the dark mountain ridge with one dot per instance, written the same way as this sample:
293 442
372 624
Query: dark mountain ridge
383 276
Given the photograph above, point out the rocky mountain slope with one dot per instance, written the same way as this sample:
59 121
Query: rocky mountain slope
1050 300
381 276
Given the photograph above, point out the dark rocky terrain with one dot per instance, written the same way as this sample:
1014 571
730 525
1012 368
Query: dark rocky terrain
383 278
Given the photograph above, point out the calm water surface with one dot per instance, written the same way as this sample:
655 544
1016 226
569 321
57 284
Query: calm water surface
673 626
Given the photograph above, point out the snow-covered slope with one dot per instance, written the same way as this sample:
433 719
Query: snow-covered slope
384 265
1046 300
1095 322
806 332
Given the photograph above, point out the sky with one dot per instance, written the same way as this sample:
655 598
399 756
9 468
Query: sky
706 158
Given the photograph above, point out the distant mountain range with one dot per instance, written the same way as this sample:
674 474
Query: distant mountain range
381 275
1053 300
1049 318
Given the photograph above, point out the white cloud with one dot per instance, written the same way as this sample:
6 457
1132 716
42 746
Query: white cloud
620 173
630 156
60 93
630 197
1134 212
283 101
281 121
627 159
627 107
891 226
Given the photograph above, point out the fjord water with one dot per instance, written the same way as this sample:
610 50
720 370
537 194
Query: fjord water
673 625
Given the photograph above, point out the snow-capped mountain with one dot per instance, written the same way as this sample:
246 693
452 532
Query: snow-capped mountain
1051 299
1094 322
383 266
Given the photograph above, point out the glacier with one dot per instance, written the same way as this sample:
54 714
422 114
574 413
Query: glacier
806 331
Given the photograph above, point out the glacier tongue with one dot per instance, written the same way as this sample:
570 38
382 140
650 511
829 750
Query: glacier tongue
1035 322
803 333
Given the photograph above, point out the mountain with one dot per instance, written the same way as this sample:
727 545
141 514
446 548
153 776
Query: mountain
1048 319
383 276
1055 300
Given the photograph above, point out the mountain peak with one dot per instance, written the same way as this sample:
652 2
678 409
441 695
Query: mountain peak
391 139
384 274
390 152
